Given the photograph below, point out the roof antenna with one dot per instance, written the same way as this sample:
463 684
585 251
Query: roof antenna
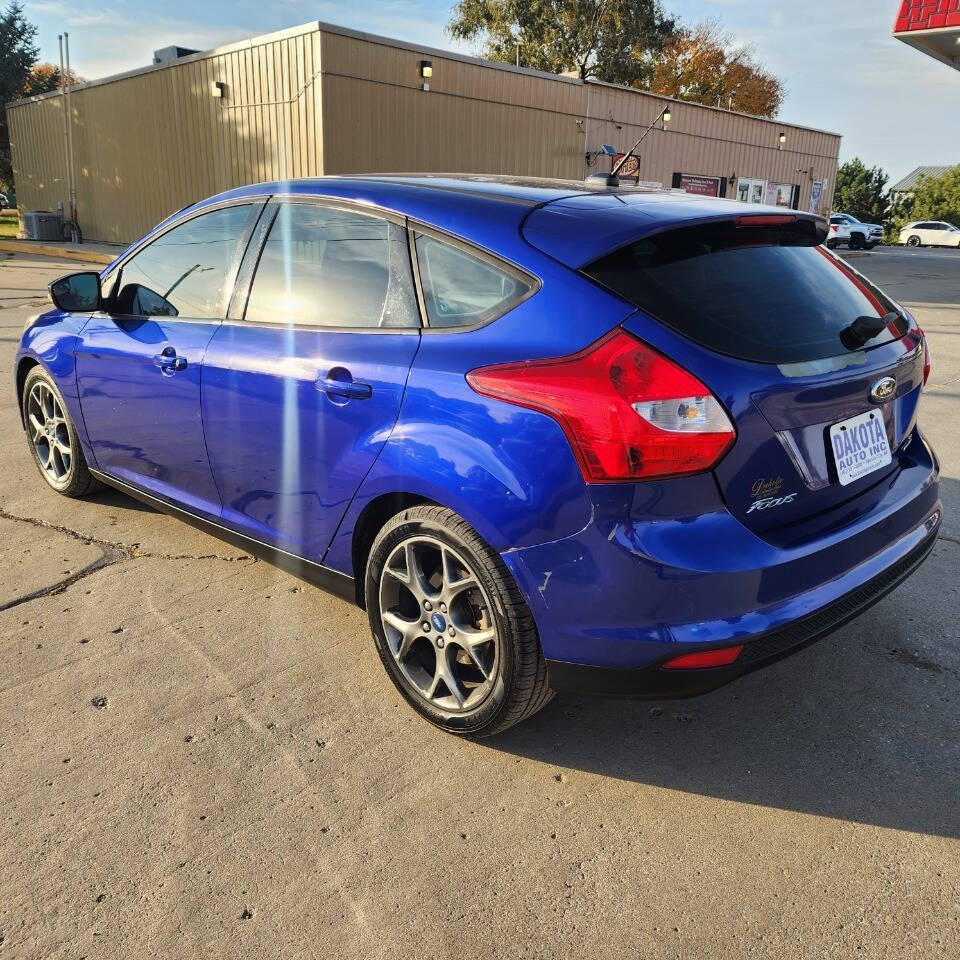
611 179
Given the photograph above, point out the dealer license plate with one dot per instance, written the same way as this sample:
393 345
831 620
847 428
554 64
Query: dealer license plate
859 446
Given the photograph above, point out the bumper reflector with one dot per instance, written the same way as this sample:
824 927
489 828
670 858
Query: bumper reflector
705 658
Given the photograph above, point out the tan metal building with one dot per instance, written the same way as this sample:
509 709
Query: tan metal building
319 99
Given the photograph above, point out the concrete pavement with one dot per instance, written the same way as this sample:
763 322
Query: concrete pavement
93 254
202 757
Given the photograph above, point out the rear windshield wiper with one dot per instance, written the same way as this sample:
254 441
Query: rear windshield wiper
864 329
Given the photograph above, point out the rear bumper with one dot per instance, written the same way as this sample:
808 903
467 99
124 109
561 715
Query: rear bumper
655 683
627 593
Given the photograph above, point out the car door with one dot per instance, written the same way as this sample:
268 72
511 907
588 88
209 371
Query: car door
139 361
927 233
303 383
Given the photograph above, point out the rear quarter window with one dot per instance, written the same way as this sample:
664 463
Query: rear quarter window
767 294
463 289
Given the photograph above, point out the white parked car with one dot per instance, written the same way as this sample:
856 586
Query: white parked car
856 235
930 233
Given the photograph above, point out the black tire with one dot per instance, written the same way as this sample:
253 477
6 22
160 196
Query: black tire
913 241
831 244
519 687
856 241
76 480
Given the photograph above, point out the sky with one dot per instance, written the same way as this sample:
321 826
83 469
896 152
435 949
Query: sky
842 69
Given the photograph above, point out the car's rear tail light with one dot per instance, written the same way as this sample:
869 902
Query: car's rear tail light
628 412
926 357
834 227
705 658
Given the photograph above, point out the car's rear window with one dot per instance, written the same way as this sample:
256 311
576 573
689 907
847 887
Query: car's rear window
768 294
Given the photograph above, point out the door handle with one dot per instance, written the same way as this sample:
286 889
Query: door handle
168 360
339 383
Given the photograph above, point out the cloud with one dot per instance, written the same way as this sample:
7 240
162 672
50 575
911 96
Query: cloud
69 15
135 33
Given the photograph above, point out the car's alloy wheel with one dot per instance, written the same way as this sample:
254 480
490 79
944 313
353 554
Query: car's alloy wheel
53 439
47 425
439 624
450 624
913 241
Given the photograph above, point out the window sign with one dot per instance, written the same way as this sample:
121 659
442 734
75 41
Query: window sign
816 192
780 194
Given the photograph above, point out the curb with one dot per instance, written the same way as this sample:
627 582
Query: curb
66 253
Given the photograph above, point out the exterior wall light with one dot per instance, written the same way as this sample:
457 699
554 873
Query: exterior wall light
666 117
783 139
218 89
426 72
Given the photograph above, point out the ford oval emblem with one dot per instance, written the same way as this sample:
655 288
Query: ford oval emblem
883 390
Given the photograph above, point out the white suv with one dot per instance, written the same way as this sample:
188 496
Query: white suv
856 235
930 233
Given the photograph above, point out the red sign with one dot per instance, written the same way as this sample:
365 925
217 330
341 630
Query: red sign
704 186
630 170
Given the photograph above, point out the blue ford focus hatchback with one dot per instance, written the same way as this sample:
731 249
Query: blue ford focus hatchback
552 438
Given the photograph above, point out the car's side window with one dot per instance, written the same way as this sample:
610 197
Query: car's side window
461 289
326 266
185 271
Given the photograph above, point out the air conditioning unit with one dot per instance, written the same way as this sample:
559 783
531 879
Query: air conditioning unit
42 225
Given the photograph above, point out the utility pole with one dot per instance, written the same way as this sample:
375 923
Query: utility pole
72 179
66 121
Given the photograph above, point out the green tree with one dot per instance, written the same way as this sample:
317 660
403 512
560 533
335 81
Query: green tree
861 191
18 53
938 198
610 40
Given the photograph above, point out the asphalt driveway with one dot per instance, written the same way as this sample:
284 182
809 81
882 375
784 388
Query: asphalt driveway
202 757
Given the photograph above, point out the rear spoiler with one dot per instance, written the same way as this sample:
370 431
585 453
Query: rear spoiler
581 229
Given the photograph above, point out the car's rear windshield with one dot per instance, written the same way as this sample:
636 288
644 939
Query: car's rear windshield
762 293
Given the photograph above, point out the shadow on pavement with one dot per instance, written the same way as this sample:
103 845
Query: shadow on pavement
108 497
863 726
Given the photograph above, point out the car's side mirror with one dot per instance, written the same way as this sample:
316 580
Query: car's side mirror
77 292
